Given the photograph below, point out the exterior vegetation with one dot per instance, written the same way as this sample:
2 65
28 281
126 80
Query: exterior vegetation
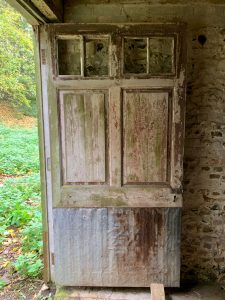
20 208
20 211
17 72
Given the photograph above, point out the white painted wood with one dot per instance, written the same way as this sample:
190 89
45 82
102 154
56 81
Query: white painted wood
83 119
146 133
94 222
115 136
49 186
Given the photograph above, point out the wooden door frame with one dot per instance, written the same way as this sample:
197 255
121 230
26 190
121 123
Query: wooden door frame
42 71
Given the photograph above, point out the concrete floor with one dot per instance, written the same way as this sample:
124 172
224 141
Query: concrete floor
203 292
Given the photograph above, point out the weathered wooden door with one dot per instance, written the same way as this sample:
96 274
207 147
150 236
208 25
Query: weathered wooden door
116 108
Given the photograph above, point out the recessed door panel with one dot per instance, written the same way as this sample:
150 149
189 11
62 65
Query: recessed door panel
117 247
145 137
83 137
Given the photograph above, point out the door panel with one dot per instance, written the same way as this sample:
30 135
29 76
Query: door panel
113 247
116 102
83 119
145 137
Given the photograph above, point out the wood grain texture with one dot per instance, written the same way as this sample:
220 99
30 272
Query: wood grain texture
145 136
52 10
132 247
115 159
107 233
83 137
157 291
104 196
42 154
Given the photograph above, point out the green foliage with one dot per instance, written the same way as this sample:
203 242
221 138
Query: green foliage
20 201
3 230
17 70
32 235
20 196
29 265
2 284
18 150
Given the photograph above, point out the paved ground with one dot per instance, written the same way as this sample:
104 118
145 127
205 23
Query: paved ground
203 292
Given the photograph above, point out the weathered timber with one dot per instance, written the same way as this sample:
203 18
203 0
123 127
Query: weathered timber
74 293
126 196
117 247
83 134
157 291
39 11
42 155
145 136
111 229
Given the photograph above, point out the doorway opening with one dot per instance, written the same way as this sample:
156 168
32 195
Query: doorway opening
20 205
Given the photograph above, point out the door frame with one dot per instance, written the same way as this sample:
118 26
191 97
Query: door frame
44 68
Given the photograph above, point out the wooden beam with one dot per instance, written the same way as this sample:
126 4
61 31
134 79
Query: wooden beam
51 9
27 12
39 11
157 291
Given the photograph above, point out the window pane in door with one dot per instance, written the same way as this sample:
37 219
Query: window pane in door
161 55
69 57
135 55
96 57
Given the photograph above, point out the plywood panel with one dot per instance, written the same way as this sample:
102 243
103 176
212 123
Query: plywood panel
117 247
145 136
83 137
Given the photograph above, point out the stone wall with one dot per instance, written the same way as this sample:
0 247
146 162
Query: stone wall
203 246
203 243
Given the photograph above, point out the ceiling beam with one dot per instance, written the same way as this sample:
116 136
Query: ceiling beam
39 11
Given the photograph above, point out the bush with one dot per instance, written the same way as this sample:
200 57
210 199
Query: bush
17 70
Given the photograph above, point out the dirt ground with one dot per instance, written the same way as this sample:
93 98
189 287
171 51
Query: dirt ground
11 117
17 288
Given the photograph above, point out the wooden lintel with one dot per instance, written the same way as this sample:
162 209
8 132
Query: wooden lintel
39 11
157 291
51 9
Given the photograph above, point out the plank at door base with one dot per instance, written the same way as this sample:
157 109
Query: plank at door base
157 291
72 293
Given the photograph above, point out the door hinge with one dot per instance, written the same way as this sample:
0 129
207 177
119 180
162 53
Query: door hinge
53 258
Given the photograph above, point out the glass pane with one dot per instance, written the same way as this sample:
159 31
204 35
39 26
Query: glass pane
161 55
135 56
69 57
96 57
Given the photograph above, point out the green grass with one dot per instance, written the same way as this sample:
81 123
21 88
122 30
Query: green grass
18 150
20 196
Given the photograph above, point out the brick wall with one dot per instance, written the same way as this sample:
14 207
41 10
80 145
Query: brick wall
203 241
